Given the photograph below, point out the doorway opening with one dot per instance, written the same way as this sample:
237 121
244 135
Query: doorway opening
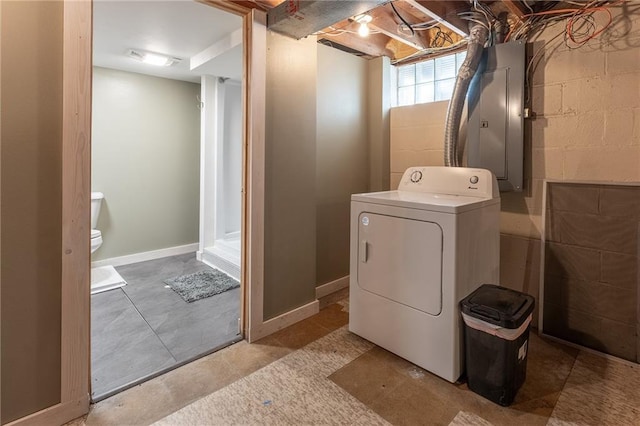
167 158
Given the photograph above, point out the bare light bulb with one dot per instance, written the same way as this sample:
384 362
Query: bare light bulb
363 30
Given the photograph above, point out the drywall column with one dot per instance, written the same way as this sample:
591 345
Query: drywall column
208 135
290 174
32 43
379 106
342 166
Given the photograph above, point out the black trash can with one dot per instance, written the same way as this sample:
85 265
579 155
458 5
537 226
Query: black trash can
497 322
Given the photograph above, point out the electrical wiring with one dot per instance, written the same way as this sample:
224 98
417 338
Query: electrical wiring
335 32
486 12
440 39
404 21
580 22
580 27
423 26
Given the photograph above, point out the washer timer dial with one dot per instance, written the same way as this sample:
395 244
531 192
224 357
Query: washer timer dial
416 176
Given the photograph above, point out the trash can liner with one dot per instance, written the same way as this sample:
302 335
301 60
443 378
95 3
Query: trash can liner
498 305
496 330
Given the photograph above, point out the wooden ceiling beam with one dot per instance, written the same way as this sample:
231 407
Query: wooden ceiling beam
515 8
445 12
400 50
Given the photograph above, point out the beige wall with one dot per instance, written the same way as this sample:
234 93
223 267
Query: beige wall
378 111
342 166
317 156
587 128
31 37
290 174
146 161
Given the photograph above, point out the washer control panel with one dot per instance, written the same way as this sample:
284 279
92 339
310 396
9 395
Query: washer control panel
450 180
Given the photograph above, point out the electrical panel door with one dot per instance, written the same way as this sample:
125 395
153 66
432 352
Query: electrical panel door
496 114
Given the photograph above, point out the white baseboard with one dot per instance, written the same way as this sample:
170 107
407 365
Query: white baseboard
331 287
147 255
285 320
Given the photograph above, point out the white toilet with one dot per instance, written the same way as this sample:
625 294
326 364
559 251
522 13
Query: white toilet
96 236
106 277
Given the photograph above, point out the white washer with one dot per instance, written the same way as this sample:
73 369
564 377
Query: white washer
415 254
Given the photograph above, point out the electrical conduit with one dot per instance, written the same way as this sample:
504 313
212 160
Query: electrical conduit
477 37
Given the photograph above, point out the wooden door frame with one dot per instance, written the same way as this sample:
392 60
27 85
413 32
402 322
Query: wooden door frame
254 32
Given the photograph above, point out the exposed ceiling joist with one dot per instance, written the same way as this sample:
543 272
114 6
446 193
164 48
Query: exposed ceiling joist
385 21
514 7
445 12
374 45
436 23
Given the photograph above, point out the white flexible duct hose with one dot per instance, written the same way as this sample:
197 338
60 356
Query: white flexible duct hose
477 37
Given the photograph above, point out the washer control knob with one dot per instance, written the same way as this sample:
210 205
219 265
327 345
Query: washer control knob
473 179
416 176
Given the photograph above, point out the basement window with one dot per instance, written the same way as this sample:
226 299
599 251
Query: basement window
428 81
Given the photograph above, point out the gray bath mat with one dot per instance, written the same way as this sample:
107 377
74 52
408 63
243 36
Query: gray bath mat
201 284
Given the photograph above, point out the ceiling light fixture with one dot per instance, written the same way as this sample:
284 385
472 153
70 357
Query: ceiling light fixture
152 58
363 20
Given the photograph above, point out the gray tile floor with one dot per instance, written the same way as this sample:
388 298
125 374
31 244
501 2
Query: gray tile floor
144 329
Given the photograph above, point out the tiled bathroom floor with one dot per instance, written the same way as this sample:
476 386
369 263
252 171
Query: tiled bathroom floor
143 329
316 372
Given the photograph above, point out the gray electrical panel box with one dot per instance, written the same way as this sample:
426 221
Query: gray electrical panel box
495 132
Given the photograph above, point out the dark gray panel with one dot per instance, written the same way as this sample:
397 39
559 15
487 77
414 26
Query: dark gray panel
186 329
123 347
493 125
591 266
496 104
144 328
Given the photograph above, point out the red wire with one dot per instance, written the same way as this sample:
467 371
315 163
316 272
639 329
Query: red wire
570 21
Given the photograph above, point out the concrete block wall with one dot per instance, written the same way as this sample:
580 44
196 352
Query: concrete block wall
417 135
587 116
587 128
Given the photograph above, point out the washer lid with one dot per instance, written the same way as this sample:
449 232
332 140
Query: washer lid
95 233
445 203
